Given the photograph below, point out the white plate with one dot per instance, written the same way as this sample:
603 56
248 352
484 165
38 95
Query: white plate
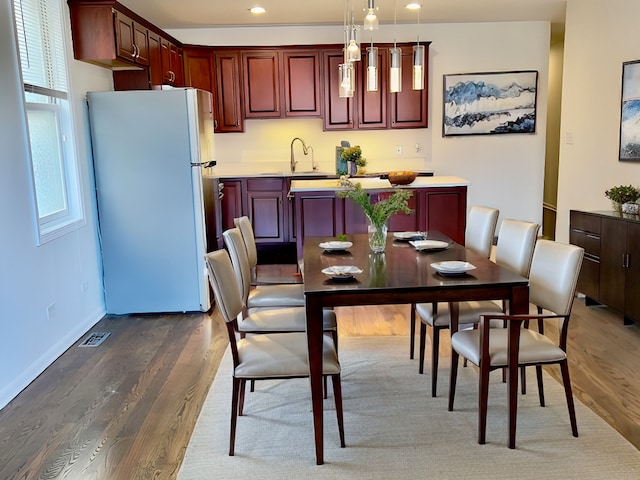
407 235
429 244
453 267
341 272
335 246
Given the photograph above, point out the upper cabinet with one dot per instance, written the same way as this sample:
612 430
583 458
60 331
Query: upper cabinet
228 91
281 83
378 109
108 34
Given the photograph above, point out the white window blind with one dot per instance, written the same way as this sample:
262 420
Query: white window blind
41 48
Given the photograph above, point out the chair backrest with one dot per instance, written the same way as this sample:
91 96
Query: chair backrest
235 246
225 290
554 274
249 239
481 226
516 242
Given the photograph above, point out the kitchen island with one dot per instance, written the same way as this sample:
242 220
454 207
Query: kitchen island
438 203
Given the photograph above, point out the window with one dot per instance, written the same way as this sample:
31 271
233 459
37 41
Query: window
52 151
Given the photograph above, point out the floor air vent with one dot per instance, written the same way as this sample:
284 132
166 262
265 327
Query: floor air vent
94 339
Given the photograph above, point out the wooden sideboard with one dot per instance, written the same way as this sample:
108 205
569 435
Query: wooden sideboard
611 266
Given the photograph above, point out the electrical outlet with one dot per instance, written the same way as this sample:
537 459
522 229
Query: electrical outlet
399 150
419 148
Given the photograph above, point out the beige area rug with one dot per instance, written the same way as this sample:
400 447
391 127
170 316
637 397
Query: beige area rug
395 430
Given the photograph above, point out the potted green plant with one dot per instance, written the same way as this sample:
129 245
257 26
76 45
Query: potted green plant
623 194
378 211
355 161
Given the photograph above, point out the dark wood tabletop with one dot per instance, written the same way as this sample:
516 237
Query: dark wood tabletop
399 275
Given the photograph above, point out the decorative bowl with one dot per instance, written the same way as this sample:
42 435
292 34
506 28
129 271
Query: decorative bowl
402 178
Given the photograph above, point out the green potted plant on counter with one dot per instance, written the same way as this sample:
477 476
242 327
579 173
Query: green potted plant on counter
624 198
378 211
355 161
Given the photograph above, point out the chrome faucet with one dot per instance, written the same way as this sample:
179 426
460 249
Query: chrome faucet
306 151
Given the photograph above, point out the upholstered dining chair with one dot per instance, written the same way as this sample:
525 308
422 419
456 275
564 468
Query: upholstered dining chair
269 308
478 237
514 251
257 278
266 356
552 285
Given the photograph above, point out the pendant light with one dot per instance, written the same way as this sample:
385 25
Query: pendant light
418 61
371 19
353 49
395 61
372 68
346 70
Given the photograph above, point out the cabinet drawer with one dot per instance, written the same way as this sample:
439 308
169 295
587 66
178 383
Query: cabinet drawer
589 279
589 241
584 222
265 184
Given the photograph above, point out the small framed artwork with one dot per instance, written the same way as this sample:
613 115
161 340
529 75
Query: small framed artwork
489 103
630 112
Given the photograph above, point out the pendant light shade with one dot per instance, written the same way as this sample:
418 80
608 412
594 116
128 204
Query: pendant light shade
346 73
353 49
371 18
395 70
372 69
418 67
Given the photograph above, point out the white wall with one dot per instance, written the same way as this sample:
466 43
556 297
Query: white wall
599 37
32 277
506 171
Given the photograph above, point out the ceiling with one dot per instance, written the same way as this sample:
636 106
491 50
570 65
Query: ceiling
172 14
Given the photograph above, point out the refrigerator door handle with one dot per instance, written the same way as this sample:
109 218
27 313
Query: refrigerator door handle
209 164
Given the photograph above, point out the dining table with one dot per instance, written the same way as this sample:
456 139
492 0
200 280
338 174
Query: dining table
401 274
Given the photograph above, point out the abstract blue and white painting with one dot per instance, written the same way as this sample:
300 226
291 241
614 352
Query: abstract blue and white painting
496 102
630 115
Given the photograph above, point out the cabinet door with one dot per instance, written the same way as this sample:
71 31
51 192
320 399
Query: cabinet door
261 84
199 68
585 232
612 261
317 214
409 107
155 60
406 222
372 106
301 71
445 211
230 203
172 70
177 65
338 112
266 211
228 97
141 40
125 38
632 299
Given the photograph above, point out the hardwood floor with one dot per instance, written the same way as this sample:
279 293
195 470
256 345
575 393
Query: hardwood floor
126 409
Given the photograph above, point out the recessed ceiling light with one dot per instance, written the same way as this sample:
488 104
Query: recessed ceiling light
414 6
257 10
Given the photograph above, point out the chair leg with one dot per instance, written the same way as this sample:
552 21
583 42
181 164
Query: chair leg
243 385
453 376
564 367
540 385
337 393
253 386
324 386
523 380
423 335
234 414
435 353
483 399
412 329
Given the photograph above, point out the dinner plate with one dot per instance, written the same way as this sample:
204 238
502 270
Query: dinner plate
335 246
453 267
341 272
429 244
405 236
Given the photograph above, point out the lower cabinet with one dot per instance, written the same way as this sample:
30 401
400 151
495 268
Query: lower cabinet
611 265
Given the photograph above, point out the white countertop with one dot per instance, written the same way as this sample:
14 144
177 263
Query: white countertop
376 183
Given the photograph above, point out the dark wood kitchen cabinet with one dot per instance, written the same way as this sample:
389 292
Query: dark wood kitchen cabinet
172 63
265 200
228 91
611 264
281 83
373 110
198 68
132 39
228 205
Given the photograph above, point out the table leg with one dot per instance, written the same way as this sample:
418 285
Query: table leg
519 304
314 344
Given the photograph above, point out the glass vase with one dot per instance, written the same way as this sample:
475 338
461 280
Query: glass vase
377 237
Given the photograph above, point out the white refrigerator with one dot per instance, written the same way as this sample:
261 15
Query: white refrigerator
149 149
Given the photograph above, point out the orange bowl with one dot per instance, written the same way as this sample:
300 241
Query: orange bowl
402 178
